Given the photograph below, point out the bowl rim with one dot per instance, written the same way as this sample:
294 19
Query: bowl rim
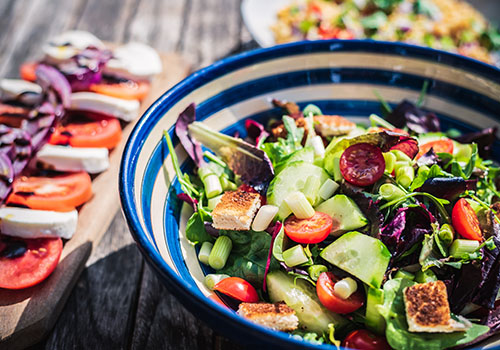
217 316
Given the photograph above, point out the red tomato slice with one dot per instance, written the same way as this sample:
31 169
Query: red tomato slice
35 265
58 193
104 132
364 340
238 289
439 146
28 71
324 289
129 90
465 221
12 115
362 164
312 230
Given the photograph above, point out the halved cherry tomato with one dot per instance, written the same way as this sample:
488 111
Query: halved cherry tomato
364 340
237 288
465 221
362 164
324 289
312 230
28 71
439 146
129 90
105 132
35 265
58 193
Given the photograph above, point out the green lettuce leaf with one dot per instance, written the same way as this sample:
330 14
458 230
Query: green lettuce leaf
397 334
195 229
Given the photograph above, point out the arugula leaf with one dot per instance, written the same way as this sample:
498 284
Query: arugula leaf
248 257
424 174
195 229
397 334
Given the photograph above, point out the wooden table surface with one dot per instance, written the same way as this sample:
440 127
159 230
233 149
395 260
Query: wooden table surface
118 302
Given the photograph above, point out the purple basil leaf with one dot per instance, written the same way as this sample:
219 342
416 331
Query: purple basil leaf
407 114
211 230
6 176
255 130
188 199
289 108
464 286
484 140
50 79
244 159
491 320
430 158
192 146
444 187
294 270
277 229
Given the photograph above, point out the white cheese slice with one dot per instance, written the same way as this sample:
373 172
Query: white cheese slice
12 88
63 158
29 223
64 46
134 61
126 110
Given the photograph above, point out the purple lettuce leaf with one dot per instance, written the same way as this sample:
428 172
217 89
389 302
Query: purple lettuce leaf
255 130
492 320
484 140
294 270
276 231
188 199
408 114
430 158
191 145
244 159
444 187
407 228
367 205
289 108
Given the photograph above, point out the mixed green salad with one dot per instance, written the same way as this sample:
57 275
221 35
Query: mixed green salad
343 222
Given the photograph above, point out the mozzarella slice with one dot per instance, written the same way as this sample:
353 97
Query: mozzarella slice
134 61
63 158
126 110
21 90
29 223
64 46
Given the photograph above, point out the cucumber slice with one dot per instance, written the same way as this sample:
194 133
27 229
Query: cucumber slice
362 256
374 321
292 178
301 297
305 154
344 211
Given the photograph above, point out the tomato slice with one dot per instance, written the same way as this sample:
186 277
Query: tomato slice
32 267
312 230
439 146
12 115
362 164
58 193
238 289
28 71
364 340
324 289
128 90
465 221
104 132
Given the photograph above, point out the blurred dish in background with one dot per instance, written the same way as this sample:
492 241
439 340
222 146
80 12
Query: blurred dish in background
451 25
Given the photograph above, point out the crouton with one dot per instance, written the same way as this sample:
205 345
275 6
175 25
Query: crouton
427 309
277 316
235 211
332 125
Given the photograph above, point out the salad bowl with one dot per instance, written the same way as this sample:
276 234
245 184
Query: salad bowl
341 77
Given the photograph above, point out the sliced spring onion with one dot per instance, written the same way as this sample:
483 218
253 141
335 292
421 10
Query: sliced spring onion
204 172
459 247
375 120
264 217
299 205
328 189
226 184
220 252
284 211
204 253
212 202
446 234
212 185
390 161
400 156
404 274
315 270
312 109
318 146
213 278
345 288
424 277
400 164
311 189
295 256
390 192
405 176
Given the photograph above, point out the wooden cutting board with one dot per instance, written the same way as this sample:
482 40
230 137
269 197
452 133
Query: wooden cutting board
26 316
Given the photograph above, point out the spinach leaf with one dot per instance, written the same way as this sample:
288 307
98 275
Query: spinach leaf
195 229
397 334
249 256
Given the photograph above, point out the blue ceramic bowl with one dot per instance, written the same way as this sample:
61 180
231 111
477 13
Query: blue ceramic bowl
338 76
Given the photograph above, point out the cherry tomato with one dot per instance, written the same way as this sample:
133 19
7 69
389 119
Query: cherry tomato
364 340
32 267
28 71
312 230
439 146
59 193
362 164
105 132
238 289
324 289
465 221
128 90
